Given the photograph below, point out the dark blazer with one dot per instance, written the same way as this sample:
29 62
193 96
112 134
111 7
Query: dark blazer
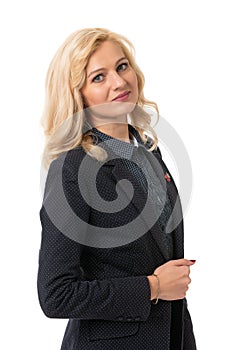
104 291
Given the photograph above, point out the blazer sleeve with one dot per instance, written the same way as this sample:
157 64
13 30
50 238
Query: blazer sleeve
63 291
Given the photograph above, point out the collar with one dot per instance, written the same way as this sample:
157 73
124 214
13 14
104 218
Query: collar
120 148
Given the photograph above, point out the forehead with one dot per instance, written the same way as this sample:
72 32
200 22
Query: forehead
106 55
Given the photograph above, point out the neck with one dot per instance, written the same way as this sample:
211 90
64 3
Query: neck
116 130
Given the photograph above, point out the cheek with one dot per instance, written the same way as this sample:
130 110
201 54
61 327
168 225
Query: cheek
94 96
134 84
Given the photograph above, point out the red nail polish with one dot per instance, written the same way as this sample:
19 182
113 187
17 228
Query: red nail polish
192 260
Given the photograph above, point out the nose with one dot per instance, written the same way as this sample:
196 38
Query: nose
116 81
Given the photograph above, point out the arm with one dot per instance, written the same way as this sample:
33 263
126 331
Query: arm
63 291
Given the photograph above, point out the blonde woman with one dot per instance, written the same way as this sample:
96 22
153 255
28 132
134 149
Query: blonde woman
111 256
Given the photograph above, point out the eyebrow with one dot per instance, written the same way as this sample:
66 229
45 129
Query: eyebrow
99 69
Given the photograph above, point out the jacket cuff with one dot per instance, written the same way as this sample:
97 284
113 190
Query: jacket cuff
132 298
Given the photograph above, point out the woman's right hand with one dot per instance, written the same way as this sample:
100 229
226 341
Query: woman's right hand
174 279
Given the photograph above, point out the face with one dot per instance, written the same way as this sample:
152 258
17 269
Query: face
111 87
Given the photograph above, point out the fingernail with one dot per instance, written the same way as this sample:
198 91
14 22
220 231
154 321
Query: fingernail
193 260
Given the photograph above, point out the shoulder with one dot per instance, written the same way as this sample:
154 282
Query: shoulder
68 163
63 175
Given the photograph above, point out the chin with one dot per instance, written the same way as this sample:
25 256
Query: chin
111 110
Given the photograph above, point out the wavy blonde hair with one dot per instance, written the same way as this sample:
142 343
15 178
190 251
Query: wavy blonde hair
63 118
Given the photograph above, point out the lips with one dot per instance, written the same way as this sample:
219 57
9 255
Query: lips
122 97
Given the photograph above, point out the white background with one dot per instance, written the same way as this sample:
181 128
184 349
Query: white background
185 51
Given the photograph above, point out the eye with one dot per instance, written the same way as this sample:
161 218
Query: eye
123 66
98 78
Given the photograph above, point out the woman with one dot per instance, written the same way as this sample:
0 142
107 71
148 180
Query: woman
111 258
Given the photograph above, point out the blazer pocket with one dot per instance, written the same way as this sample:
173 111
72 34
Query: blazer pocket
99 329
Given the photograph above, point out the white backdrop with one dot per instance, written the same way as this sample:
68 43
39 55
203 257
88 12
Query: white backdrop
185 51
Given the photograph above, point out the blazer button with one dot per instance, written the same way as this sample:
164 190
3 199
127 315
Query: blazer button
129 319
137 318
120 318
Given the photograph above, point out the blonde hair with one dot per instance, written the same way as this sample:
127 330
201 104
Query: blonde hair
63 119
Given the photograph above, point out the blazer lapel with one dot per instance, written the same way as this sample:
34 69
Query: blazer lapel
175 223
146 209
159 169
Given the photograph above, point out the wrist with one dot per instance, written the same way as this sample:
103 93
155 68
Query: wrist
154 287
